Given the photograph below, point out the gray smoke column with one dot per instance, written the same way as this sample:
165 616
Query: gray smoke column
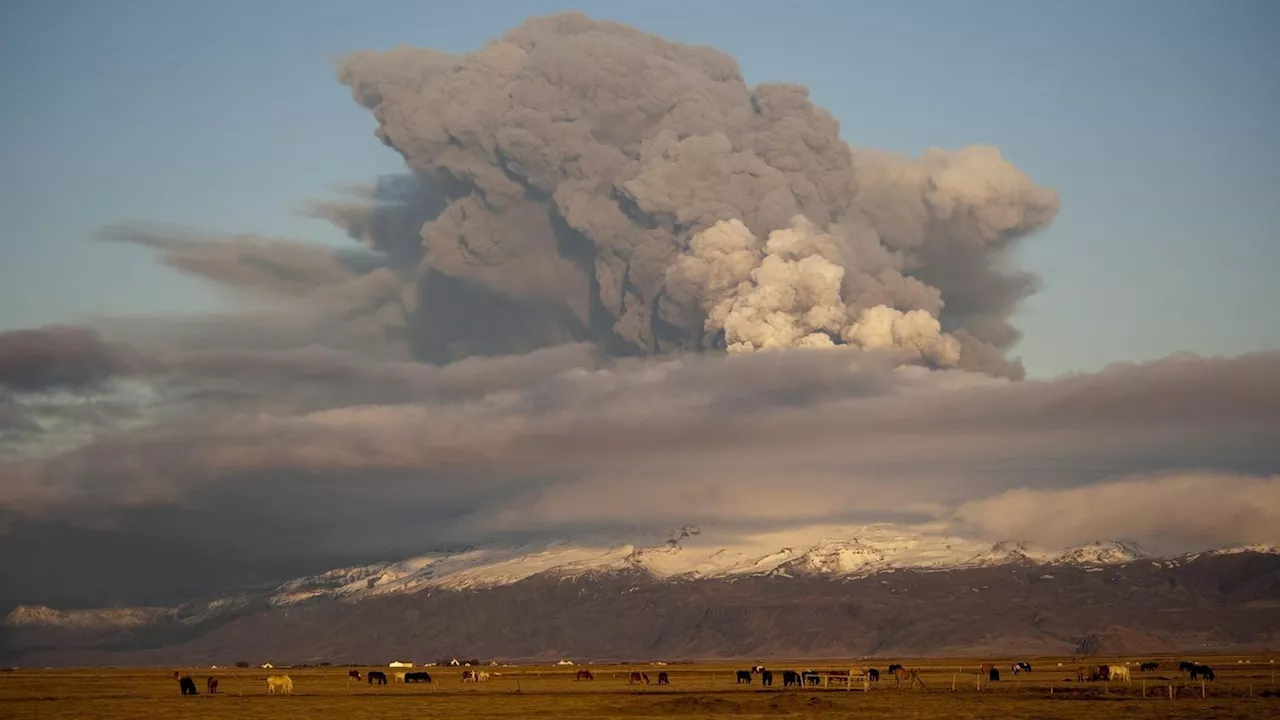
582 180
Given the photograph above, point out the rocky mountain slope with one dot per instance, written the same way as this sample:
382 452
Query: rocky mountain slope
878 590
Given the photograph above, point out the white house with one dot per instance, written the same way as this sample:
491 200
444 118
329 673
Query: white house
399 663
565 662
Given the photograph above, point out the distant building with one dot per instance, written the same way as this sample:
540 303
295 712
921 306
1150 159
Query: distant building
267 666
399 663
565 662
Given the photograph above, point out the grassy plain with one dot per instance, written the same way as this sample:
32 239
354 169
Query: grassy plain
707 690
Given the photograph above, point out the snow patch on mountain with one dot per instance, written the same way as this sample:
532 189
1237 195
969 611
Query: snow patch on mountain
1109 552
1256 548
1011 552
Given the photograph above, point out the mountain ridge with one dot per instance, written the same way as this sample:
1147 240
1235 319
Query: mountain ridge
880 589
1216 601
869 551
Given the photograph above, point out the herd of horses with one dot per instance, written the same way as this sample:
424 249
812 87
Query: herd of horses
380 678
633 678
790 678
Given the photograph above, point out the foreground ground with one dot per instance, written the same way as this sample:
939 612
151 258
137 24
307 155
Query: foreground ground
703 690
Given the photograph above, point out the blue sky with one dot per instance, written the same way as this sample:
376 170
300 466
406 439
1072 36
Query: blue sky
1154 120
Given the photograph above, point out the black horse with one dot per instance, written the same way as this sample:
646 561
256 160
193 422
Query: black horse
766 677
663 679
873 675
993 675
187 686
377 676
417 677
1144 667
1201 671
790 678
744 676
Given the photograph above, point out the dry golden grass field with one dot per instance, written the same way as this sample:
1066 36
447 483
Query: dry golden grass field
706 690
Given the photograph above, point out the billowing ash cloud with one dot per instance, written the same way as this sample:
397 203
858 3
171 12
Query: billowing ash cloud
566 172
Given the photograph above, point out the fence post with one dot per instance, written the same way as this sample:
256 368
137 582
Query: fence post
1171 691
953 682
1202 693
1144 687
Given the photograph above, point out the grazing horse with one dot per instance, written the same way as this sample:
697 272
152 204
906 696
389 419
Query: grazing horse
757 669
584 675
1144 667
399 677
1093 673
377 676
873 675
1185 666
664 679
211 685
1203 671
1120 672
911 676
993 675
469 676
1021 667
766 677
186 685
638 677
283 683
744 676
417 677
790 678
354 675
893 668
483 676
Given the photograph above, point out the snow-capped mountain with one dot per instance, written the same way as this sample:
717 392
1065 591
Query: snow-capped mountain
698 593
1010 552
687 554
1100 553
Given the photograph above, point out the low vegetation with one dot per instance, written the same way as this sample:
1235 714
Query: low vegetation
703 690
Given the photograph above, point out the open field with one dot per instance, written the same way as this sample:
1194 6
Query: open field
702 690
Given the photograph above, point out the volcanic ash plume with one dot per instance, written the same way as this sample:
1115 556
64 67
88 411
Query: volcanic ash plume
582 180
787 293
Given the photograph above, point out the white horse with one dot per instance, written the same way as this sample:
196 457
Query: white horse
482 676
280 682
399 677
1120 672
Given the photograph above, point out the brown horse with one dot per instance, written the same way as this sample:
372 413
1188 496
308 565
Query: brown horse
354 674
638 677
211 685
911 676
663 679
584 675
